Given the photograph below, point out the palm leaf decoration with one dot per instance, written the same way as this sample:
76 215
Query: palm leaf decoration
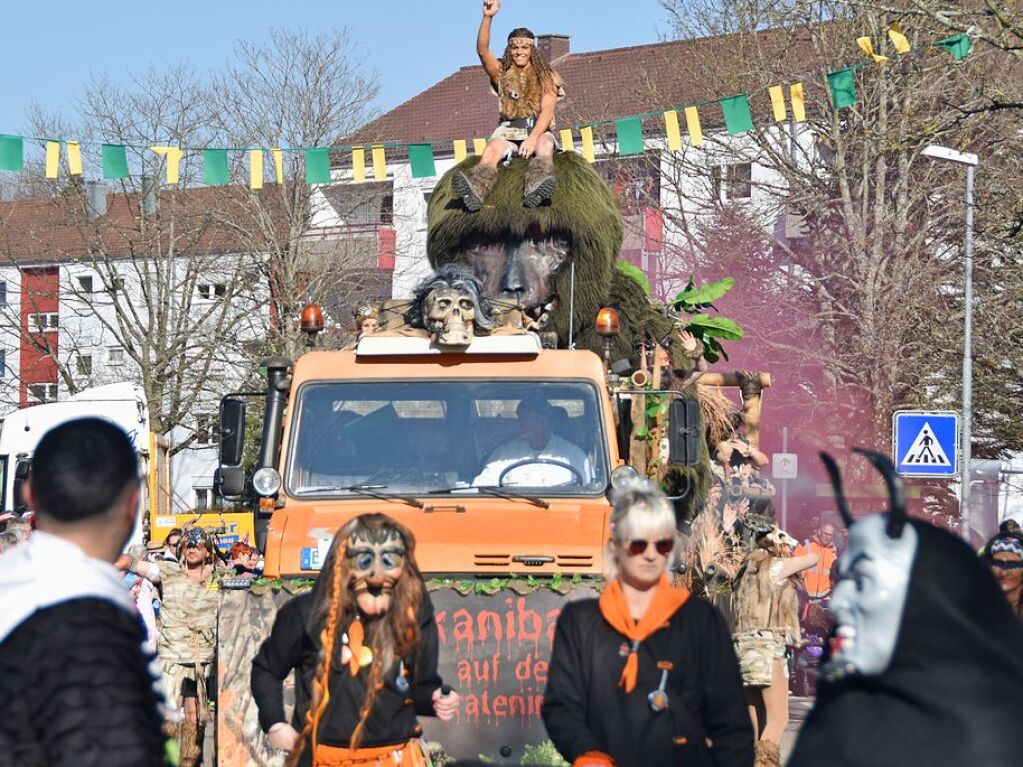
688 309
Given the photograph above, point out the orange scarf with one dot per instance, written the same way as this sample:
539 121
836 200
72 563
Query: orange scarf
666 602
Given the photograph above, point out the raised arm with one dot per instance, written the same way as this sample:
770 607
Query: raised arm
796 564
490 63
148 570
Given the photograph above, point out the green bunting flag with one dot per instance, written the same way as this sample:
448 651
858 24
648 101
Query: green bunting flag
737 115
842 85
957 46
630 135
317 165
115 161
215 169
420 157
12 153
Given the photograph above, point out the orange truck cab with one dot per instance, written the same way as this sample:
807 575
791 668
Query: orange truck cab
499 505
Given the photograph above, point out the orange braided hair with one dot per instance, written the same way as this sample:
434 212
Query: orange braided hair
320 695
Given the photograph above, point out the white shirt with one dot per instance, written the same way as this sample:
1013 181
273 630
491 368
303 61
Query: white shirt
536 474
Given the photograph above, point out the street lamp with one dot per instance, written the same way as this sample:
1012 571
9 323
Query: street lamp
945 154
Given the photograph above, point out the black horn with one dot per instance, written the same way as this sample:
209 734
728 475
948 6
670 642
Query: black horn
896 490
836 482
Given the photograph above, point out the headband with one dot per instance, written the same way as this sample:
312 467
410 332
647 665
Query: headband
1009 545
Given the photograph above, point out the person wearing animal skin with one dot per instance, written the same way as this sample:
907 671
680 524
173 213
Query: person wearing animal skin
645 676
924 665
766 627
363 644
527 90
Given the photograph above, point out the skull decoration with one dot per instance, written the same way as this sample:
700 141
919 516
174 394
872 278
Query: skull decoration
450 306
777 539
449 315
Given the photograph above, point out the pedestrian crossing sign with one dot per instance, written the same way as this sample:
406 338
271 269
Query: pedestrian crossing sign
926 443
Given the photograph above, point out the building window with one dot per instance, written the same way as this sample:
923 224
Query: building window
387 209
43 392
215 290
116 283
84 364
43 321
3 363
205 429
85 283
115 355
733 182
3 294
202 498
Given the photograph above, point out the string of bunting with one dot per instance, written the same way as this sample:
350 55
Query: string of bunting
738 118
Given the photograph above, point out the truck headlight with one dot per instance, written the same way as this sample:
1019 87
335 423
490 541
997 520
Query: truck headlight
623 475
266 481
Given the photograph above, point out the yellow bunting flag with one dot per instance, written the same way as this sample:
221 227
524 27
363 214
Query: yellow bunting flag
693 126
278 156
478 145
172 155
379 164
567 142
52 158
358 164
672 130
255 169
868 50
74 158
798 102
778 103
586 134
898 39
461 149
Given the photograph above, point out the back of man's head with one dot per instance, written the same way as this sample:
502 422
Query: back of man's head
80 470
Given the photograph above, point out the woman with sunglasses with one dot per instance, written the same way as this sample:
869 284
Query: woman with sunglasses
646 675
1004 554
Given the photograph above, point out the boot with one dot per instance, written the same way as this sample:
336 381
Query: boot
768 754
540 181
191 743
474 186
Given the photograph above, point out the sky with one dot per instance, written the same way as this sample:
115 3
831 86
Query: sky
51 51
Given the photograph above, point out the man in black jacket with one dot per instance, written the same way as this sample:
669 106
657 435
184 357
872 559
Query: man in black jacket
75 687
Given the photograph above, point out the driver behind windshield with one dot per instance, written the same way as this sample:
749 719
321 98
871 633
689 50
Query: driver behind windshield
537 457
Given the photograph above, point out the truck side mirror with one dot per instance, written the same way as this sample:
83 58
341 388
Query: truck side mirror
232 431
230 481
685 430
21 471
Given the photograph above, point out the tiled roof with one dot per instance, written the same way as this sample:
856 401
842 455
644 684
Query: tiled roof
56 229
600 85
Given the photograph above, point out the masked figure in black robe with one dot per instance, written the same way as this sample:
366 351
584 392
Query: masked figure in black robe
924 666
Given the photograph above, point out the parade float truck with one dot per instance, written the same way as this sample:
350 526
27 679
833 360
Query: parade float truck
420 422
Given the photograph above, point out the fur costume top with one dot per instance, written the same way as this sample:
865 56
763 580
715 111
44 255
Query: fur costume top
764 602
520 92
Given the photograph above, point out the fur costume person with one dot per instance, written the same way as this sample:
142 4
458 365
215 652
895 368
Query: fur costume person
581 225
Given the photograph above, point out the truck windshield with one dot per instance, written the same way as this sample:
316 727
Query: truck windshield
427 436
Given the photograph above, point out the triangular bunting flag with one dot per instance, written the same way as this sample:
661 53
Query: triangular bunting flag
867 46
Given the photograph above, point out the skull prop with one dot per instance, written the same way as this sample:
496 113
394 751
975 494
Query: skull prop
776 540
450 314
451 306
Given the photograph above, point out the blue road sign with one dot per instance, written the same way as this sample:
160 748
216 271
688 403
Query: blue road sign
926 443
